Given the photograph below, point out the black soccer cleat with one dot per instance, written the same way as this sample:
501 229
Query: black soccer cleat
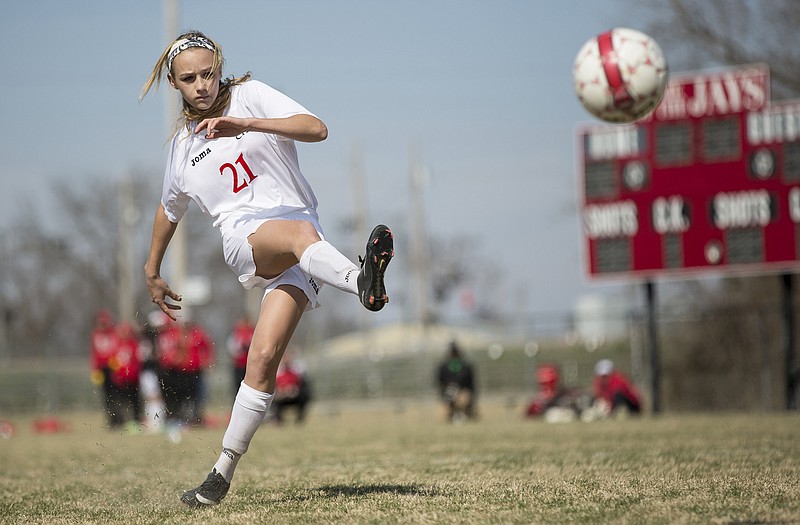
211 492
380 250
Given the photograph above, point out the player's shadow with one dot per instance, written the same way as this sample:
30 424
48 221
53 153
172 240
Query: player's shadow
359 491
413 489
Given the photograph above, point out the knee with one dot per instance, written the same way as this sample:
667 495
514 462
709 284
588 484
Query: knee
262 357
306 234
262 365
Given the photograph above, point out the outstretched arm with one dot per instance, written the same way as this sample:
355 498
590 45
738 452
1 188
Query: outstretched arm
304 128
163 231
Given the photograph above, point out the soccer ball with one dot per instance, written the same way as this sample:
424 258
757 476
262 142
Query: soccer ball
620 75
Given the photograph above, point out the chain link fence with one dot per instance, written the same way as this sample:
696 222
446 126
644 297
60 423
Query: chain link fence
729 360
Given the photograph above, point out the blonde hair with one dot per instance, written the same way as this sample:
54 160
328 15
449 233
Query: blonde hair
190 114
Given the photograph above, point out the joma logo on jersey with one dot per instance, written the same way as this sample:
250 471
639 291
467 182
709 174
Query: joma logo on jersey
200 157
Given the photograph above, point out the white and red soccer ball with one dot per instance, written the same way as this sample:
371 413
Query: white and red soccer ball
620 75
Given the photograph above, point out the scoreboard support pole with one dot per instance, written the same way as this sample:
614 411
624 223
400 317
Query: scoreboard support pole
652 340
792 372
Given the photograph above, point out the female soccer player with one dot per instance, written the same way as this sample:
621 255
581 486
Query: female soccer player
235 157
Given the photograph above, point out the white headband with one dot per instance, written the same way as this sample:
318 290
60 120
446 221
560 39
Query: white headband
184 44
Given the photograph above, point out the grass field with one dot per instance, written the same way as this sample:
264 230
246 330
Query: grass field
383 464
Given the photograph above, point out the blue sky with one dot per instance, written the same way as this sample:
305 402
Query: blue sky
482 89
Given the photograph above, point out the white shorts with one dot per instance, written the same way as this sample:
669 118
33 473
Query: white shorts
239 256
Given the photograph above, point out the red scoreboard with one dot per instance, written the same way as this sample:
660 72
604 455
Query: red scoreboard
710 182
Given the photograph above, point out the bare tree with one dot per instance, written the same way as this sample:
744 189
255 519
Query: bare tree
702 33
33 273
56 275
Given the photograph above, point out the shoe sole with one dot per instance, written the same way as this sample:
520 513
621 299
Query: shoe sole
196 501
190 500
379 252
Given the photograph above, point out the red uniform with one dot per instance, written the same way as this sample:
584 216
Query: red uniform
169 345
103 341
125 364
238 348
103 345
183 354
184 349
291 390
288 382
239 343
615 389
199 352
547 379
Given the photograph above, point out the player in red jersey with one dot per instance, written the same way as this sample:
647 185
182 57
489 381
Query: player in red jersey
199 356
291 390
238 346
613 389
125 367
103 343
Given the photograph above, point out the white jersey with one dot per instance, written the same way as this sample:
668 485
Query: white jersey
253 174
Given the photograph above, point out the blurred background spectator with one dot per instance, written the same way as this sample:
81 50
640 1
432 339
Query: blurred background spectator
125 366
103 342
613 391
292 390
154 409
238 347
184 352
552 400
456 380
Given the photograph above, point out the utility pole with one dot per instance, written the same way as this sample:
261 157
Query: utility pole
177 256
791 371
128 216
652 344
419 242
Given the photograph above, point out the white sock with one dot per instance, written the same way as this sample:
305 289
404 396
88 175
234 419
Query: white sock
249 411
326 264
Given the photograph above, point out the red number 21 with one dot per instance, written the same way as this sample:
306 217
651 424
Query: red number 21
238 183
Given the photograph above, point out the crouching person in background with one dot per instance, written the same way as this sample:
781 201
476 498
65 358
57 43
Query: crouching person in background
552 401
292 390
614 394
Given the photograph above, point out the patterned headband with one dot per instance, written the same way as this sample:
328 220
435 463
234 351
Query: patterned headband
184 44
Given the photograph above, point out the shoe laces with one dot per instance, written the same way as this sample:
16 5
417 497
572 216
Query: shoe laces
214 481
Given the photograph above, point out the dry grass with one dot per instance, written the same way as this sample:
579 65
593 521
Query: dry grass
374 465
